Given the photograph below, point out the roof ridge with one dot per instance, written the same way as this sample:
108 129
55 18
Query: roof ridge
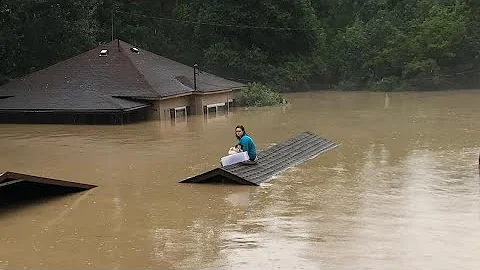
113 100
157 56
108 99
122 51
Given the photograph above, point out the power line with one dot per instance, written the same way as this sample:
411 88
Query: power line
221 25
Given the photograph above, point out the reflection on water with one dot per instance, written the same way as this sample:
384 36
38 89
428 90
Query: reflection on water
387 100
401 191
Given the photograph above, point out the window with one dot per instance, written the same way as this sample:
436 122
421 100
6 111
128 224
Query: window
179 113
213 110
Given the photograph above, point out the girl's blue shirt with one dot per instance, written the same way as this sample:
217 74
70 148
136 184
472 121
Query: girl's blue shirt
249 146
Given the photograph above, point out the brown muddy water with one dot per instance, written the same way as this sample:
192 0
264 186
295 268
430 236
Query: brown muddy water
402 190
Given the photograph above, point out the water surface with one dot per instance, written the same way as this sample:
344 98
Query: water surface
401 191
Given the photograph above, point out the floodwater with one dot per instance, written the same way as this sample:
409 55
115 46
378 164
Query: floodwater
402 191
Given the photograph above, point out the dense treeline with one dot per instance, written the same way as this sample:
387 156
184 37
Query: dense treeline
369 44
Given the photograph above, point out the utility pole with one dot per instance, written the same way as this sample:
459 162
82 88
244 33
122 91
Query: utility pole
195 77
112 23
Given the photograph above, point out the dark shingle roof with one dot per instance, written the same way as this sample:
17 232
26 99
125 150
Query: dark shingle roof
90 82
168 77
270 162
81 101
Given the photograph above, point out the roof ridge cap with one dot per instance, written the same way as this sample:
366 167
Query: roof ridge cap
122 51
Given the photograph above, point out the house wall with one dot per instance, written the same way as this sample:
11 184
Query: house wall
214 99
161 108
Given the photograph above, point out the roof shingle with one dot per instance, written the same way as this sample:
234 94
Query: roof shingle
90 82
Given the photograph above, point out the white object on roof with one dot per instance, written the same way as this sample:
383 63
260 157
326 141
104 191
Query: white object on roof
103 53
235 158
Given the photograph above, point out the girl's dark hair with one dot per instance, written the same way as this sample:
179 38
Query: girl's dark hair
242 128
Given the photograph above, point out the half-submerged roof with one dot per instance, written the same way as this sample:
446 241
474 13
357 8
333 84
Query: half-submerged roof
270 161
9 178
16 187
110 77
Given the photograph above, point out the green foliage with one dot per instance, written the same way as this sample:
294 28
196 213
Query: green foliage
380 45
407 45
255 46
387 84
257 95
37 34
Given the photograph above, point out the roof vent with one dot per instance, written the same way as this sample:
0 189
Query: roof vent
103 53
134 50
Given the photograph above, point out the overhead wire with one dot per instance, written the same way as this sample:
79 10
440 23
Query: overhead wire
219 24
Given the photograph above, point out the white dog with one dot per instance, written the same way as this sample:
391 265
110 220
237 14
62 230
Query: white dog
235 150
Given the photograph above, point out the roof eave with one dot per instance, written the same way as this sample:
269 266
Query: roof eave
72 111
198 93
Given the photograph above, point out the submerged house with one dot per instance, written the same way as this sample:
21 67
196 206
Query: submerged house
114 83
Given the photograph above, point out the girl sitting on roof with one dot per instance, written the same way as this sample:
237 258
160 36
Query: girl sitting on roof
246 144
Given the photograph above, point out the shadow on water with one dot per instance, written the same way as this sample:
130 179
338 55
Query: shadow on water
24 194
220 180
